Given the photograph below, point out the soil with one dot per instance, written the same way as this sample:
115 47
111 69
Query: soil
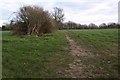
75 69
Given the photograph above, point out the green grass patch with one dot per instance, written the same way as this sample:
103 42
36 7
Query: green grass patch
34 57
103 40
48 55
103 45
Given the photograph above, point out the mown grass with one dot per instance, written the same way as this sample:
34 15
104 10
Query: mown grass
103 44
34 57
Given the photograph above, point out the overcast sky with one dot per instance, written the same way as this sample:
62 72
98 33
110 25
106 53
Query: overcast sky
79 11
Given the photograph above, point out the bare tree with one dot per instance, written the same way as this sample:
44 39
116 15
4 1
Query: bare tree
35 20
103 25
58 15
92 26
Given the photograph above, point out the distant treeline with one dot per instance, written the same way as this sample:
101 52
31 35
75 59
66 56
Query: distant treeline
73 25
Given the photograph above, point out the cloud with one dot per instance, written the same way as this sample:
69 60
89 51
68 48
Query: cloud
80 11
93 12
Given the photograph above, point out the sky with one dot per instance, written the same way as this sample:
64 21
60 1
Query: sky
79 11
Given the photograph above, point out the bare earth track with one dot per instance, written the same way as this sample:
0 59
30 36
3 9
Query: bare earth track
75 69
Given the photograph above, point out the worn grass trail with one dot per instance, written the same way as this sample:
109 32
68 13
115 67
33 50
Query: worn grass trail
76 68
101 49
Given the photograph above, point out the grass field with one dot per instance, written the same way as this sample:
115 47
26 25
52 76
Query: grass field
48 55
32 56
98 41
103 44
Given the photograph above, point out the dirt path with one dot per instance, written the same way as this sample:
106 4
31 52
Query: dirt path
75 69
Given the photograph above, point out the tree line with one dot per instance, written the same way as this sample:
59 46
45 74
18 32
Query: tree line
73 25
34 20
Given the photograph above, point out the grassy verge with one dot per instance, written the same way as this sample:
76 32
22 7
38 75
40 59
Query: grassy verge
34 57
103 44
